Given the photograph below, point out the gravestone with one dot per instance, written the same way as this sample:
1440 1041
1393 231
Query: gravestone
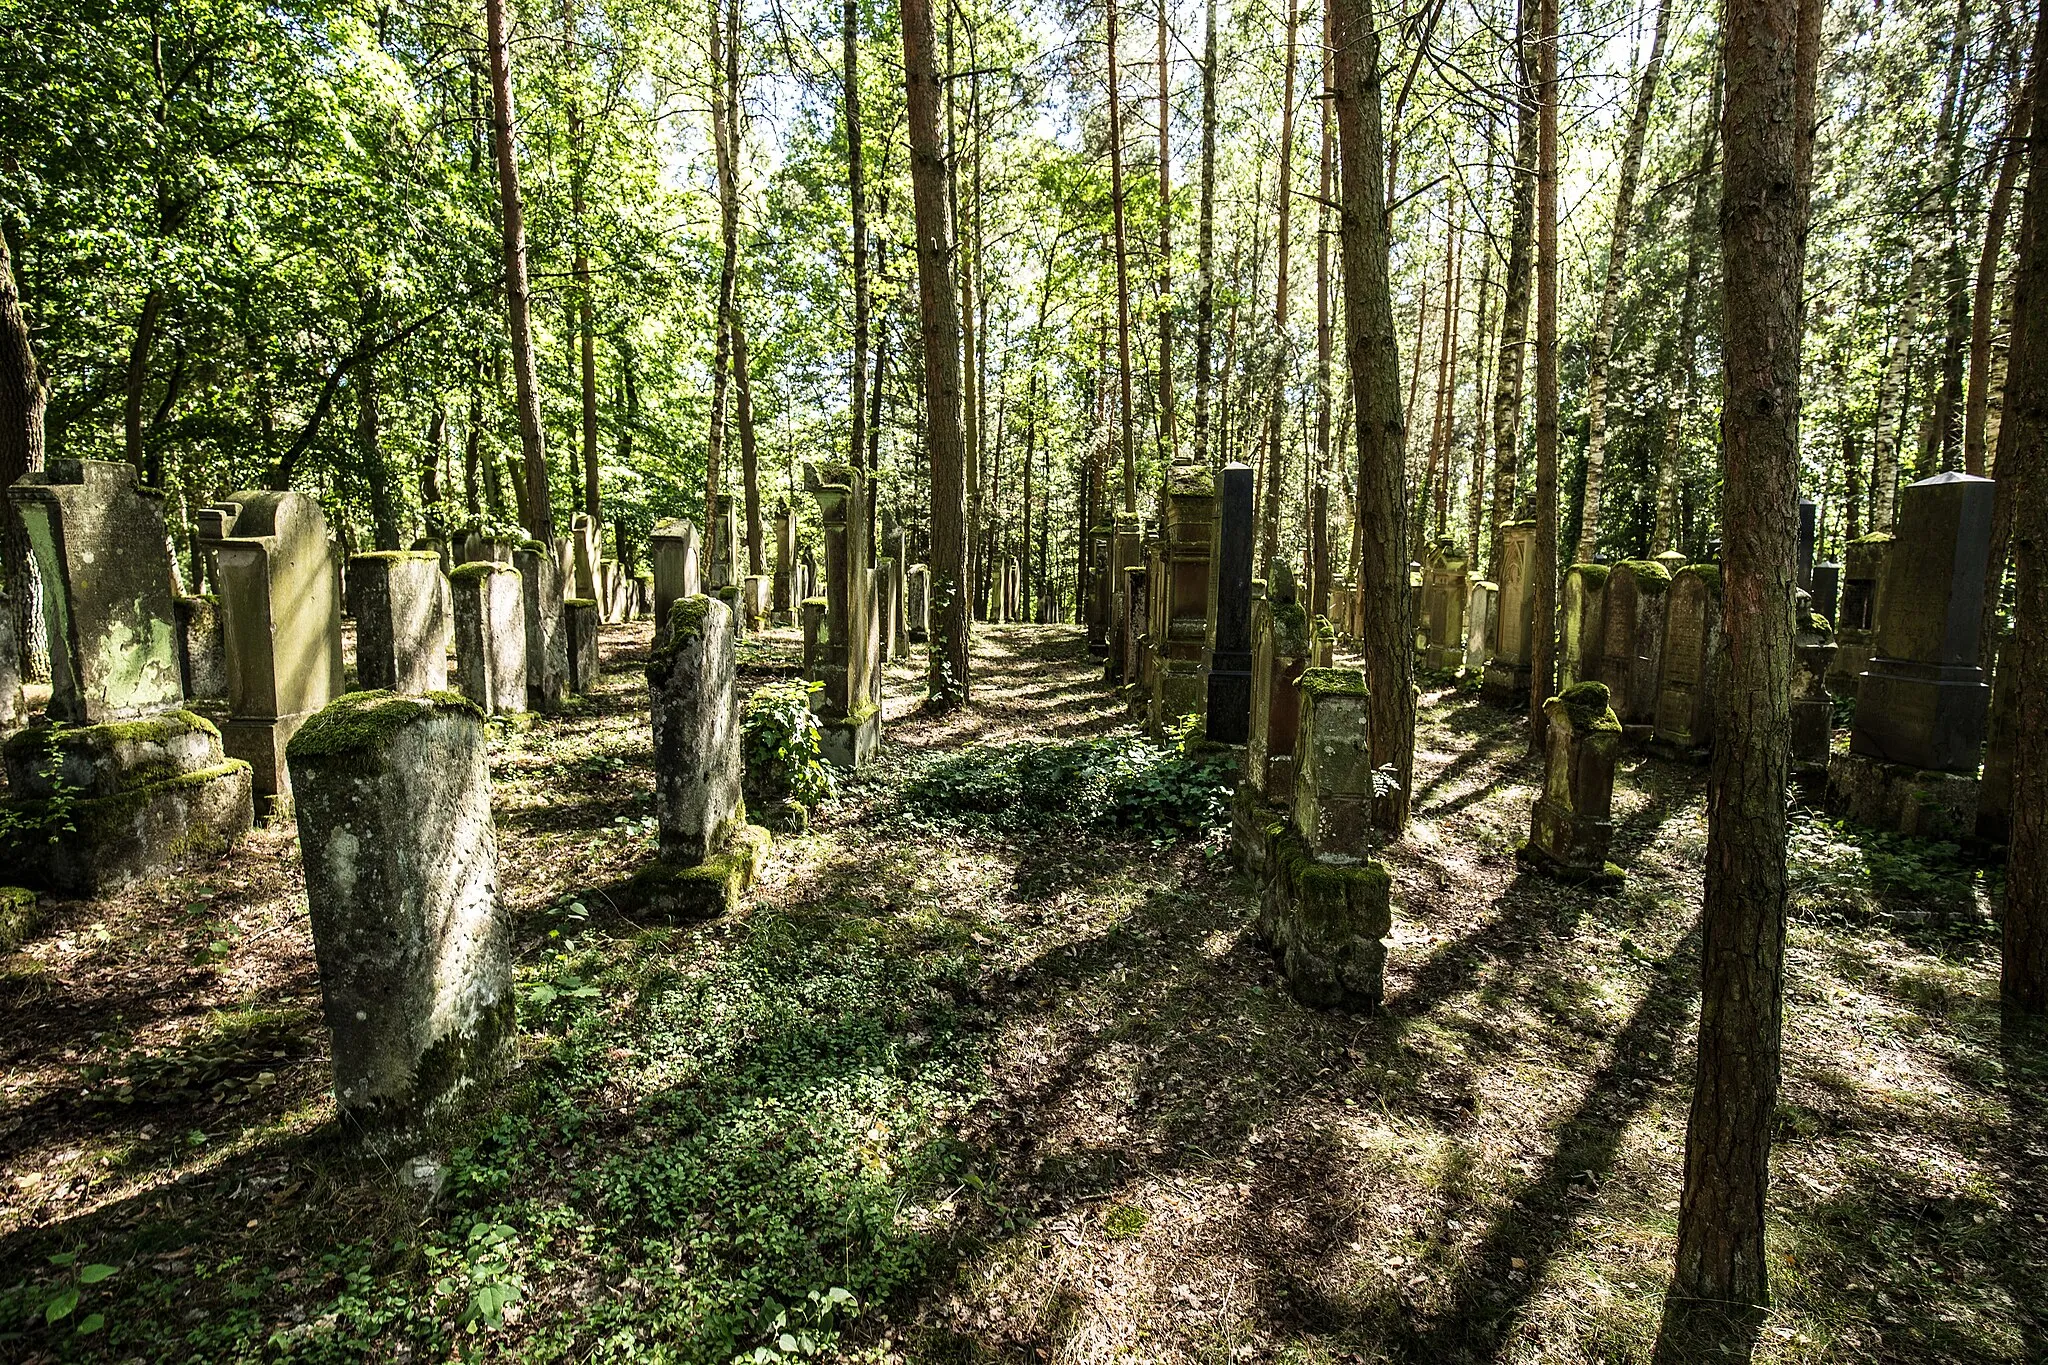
401 631
202 649
411 935
757 591
541 586
98 543
1921 704
1506 681
899 602
1827 583
586 541
1582 623
1132 604
1683 725
1813 709
1179 684
13 708
847 656
281 605
677 573
579 622
490 636
1230 611
721 565
1126 551
1482 608
709 856
887 627
1632 642
812 613
1570 824
1325 905
1856 620
1284 646
783 607
1445 589
1096 590
917 597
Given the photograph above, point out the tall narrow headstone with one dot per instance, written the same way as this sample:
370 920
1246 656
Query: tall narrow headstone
917 597
1692 626
722 565
1813 709
1582 622
202 649
1482 614
1506 681
677 572
1632 641
1809 525
1095 589
586 539
1570 824
848 663
541 589
1444 592
579 619
1229 628
1126 552
1180 628
1827 585
783 608
490 636
401 634
281 602
412 938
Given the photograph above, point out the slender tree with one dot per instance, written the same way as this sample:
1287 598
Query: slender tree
1276 412
1205 249
1984 300
24 393
1123 267
1543 566
1514 311
856 197
539 509
726 155
1169 437
1679 380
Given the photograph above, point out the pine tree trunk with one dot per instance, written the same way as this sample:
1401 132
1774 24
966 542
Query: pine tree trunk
856 197
1169 437
940 324
138 381
1678 384
1543 558
1276 396
1950 138
1514 310
1387 634
728 278
1475 501
472 442
1319 545
2023 460
1984 303
1610 293
1891 395
369 436
750 459
24 392
1772 54
1123 267
1446 380
586 334
1205 249
540 517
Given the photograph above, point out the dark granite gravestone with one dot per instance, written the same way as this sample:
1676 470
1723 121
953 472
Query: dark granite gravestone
1808 528
1827 584
1230 643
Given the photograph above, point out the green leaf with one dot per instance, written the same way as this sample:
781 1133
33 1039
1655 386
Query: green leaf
93 1274
60 1307
90 1324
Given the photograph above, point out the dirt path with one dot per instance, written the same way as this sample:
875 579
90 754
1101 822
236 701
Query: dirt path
1023 1091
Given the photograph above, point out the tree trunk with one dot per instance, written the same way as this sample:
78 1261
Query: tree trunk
586 335
1891 394
472 442
1951 136
138 381
1475 502
369 437
1984 304
1205 250
1678 385
1387 635
948 678
1514 309
540 523
1772 53
856 198
24 392
1543 565
432 461
728 278
750 460
1610 293
1439 464
1123 269
1169 437
1276 396
1326 168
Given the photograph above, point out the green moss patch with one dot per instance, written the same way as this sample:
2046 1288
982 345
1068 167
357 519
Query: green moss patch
362 720
390 556
1594 576
1333 682
1587 705
478 568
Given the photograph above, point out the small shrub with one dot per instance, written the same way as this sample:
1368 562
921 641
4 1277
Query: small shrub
783 746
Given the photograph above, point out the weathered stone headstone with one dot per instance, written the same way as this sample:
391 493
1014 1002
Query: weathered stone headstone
202 649
1325 905
1230 609
1692 626
1181 593
13 709
811 612
1126 551
783 607
887 627
1570 824
579 619
1097 550
401 633
98 542
1445 589
1582 622
917 597
281 605
541 588
1506 681
490 636
709 856
677 573
847 657
1283 648
1827 583
898 590
586 539
1856 621
412 938
1134 601
1482 609
1631 648
1921 703
721 566
1813 708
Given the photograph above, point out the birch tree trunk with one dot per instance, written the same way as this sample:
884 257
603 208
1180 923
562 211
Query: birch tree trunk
540 516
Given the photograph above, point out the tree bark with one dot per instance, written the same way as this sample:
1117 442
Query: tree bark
1123 268
725 154
856 198
1951 137
540 523
579 268
1543 565
937 302
1610 293
1475 502
138 381
1678 385
1276 397
750 460
1771 51
1205 250
1326 168
1169 437
1437 477
1984 304
1514 309
24 393
1387 635
369 438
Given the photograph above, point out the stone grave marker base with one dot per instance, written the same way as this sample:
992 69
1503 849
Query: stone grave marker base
1327 923
703 890
1892 796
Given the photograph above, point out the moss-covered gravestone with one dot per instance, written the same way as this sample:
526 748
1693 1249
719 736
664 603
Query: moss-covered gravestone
490 636
1683 725
547 633
413 943
1582 623
202 649
1325 905
1632 641
401 629
709 855
1570 825
12 710
579 624
844 653
1506 681
917 600
677 571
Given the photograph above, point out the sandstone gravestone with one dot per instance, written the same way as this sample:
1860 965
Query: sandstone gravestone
490 636
1570 824
401 633
1582 622
1692 627
1230 617
1856 620
1444 592
847 655
1632 641
917 597
887 627
1506 682
898 588
783 607
281 604
1134 601
98 543
812 612
721 564
1096 590
579 620
709 856
586 540
413 941
1126 552
1179 682
202 649
13 709
547 632
677 573
1482 607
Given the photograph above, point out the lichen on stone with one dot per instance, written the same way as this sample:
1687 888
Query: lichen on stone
1333 682
359 720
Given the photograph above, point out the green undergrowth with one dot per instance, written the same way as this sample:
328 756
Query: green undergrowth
1119 783
1844 873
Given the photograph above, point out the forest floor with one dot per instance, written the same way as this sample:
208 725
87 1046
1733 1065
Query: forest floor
967 1085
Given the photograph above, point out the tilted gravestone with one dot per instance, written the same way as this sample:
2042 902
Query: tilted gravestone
281 605
490 636
1230 611
1632 641
1506 681
1683 725
1582 623
411 935
709 855
547 631
401 629
579 621
677 572
1571 822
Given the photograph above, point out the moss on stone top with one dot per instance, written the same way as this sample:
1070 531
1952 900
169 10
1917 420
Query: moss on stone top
1324 630
1592 575
580 602
1333 682
478 568
817 602
1190 481
1820 625
1650 575
1586 703
536 546
359 720
1874 538
686 619
395 555
1709 574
